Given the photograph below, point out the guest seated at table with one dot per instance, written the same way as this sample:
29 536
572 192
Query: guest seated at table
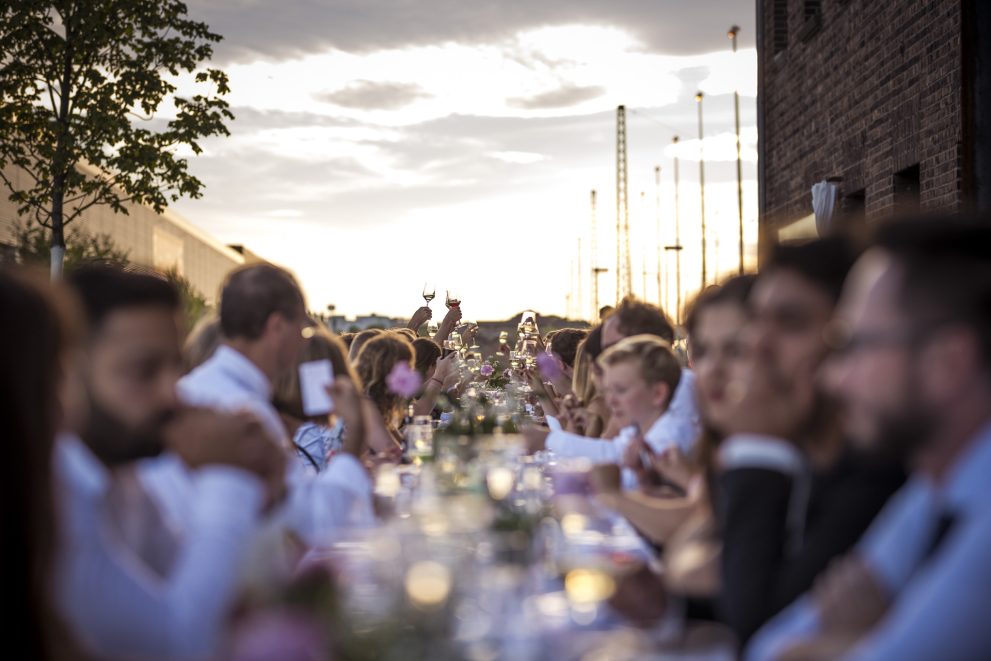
714 323
913 370
564 345
385 362
679 424
316 438
201 342
434 372
791 493
584 411
359 341
262 316
37 349
130 583
551 388
639 377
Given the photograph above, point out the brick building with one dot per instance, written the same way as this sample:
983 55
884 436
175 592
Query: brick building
889 98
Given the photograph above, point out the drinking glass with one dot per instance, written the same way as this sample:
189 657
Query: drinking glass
453 298
429 291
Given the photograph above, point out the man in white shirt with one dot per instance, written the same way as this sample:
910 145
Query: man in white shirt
126 583
678 427
914 372
262 316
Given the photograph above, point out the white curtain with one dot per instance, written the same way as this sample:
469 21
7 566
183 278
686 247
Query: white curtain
824 195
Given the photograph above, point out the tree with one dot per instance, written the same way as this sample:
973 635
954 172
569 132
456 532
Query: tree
194 306
33 245
81 82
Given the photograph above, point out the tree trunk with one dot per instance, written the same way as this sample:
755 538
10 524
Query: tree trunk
61 161
58 235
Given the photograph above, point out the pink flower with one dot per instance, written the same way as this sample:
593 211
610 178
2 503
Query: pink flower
486 370
403 380
549 366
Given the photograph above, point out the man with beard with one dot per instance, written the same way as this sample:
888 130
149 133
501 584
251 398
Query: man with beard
914 374
126 582
790 493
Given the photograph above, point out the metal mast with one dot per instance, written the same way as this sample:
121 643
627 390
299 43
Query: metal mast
733 31
657 235
698 102
624 275
594 260
578 292
677 237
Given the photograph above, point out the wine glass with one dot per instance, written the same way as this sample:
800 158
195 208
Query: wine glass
429 291
453 298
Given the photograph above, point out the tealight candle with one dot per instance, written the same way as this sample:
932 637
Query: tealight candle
499 481
428 584
588 586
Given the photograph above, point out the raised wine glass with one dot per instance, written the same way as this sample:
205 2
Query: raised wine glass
453 298
429 292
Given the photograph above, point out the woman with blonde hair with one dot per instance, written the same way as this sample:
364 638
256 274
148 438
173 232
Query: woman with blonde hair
374 364
359 341
584 411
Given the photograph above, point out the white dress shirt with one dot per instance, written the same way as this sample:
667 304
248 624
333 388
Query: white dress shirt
941 601
116 604
678 426
229 381
318 506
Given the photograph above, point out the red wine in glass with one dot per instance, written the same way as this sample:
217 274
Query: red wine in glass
453 299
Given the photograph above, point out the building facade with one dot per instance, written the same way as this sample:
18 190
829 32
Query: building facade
883 98
163 241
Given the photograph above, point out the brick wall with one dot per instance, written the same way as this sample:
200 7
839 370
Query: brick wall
871 91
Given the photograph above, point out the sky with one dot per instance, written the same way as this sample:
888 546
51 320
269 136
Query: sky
382 144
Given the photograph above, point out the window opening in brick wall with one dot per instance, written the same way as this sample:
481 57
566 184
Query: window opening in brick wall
853 208
780 23
907 189
812 19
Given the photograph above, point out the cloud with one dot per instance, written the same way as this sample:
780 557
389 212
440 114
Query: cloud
568 95
378 127
288 28
371 95
518 157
